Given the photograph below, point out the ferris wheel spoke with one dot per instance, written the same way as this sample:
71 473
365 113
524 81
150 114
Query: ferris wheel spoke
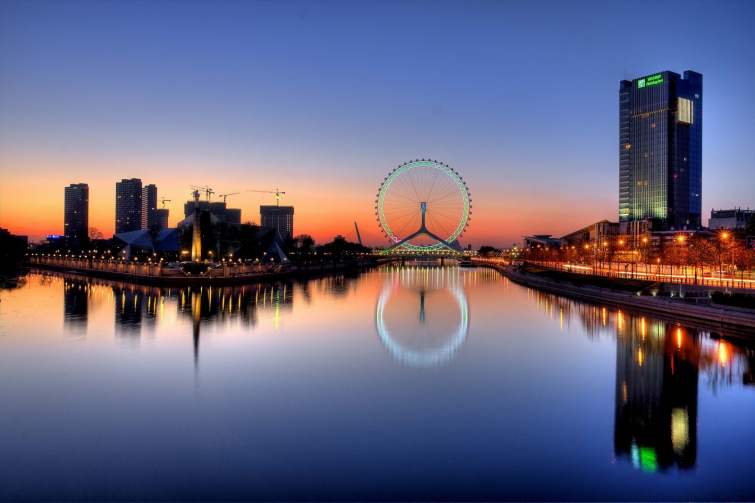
446 224
432 187
407 227
436 228
440 213
400 217
448 192
406 197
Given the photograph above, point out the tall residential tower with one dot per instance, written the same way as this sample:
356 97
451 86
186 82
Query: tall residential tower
660 149
149 205
128 205
76 211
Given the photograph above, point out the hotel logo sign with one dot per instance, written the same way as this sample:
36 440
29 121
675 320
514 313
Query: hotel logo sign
650 81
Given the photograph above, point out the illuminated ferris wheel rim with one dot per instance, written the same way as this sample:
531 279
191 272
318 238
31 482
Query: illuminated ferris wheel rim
466 199
427 358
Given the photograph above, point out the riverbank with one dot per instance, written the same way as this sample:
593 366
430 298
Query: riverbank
154 275
710 313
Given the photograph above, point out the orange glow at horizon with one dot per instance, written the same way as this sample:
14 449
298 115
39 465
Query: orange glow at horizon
32 199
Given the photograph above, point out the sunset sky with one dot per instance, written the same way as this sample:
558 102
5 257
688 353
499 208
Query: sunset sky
321 99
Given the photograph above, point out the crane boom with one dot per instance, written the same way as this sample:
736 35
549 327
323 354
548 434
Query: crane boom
224 196
276 192
206 189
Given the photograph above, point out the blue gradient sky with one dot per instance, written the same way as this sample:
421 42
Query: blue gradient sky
322 99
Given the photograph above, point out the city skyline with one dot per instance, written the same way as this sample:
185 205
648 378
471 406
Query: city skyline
295 97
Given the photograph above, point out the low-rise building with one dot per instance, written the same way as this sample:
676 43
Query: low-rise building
736 218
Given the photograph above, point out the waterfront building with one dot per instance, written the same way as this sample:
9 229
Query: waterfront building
149 205
660 149
128 205
12 246
736 218
219 209
542 240
278 217
76 211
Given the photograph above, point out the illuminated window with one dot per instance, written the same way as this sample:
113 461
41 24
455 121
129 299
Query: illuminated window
685 111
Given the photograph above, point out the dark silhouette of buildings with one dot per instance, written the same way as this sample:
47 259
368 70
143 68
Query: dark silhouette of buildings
76 211
278 217
161 217
660 149
219 209
128 205
149 205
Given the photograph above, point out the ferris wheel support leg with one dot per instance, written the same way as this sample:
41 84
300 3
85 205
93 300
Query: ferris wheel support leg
421 232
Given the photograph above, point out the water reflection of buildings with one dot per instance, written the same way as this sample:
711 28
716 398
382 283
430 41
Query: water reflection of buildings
75 307
138 309
659 366
656 395
229 304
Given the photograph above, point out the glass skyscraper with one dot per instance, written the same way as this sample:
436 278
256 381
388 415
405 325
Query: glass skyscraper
660 149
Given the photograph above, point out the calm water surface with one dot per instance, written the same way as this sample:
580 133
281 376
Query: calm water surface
399 383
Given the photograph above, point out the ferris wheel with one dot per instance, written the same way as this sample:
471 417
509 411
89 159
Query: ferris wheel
423 205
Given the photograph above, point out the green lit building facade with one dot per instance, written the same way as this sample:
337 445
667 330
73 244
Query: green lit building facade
660 149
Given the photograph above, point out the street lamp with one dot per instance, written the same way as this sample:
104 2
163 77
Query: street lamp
721 239
680 240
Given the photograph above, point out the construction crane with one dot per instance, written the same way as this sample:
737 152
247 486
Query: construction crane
206 189
224 196
276 192
163 200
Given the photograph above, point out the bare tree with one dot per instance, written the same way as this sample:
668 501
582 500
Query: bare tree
154 234
94 233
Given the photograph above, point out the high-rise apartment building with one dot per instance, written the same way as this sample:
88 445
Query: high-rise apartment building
128 205
149 205
76 211
660 149
161 217
278 217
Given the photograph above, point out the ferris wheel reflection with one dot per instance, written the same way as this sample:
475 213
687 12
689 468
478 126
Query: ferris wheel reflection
422 315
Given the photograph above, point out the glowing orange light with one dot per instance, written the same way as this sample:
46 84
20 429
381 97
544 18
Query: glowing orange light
639 356
722 354
679 337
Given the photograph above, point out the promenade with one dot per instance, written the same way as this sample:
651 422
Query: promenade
741 320
215 273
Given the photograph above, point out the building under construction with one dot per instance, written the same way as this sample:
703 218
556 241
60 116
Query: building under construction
219 209
278 217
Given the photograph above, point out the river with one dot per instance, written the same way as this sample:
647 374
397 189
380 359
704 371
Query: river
415 383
